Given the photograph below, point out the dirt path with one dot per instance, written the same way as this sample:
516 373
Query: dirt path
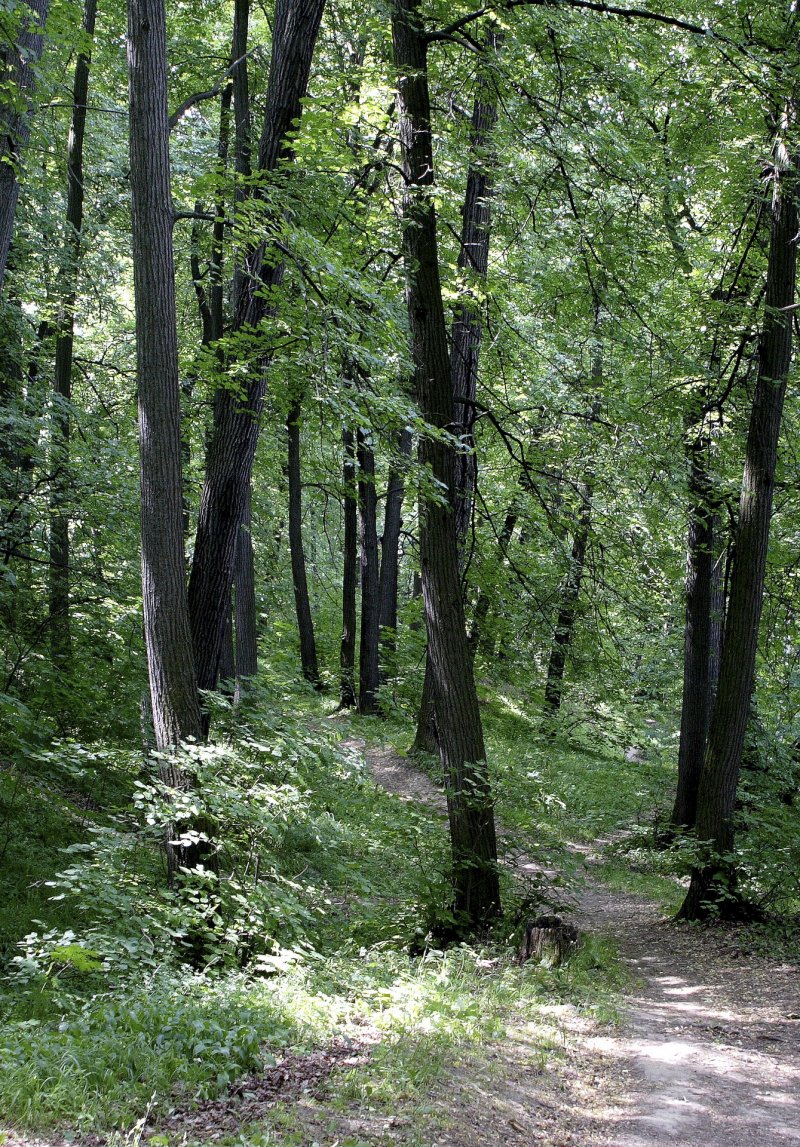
708 1052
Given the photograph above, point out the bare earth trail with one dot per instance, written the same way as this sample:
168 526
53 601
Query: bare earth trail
708 1052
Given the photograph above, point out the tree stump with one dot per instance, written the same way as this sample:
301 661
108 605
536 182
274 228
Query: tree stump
549 940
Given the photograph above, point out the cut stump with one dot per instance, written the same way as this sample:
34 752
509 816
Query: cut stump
549 940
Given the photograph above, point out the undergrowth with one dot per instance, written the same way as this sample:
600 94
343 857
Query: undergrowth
122 996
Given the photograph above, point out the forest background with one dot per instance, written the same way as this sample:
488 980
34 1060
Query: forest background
452 333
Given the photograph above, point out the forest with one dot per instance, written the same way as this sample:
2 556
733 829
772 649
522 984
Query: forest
400 525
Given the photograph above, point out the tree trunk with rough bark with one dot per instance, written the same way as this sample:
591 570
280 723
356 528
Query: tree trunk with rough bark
570 592
714 884
18 64
460 735
59 547
477 635
173 686
390 558
473 263
347 655
466 338
305 622
245 594
697 646
235 434
370 604
568 608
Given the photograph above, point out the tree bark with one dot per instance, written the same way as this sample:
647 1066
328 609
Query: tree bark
173 687
473 263
305 623
390 558
466 337
347 654
460 735
59 547
18 67
570 593
713 884
568 608
697 646
245 590
370 603
235 434
477 635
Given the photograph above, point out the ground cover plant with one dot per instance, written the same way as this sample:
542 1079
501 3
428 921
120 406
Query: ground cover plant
129 997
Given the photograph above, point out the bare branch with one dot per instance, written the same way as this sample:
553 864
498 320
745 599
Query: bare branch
448 32
198 97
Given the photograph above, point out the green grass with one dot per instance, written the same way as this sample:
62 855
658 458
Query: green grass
105 1023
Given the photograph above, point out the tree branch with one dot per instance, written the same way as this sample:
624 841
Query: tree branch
448 32
198 97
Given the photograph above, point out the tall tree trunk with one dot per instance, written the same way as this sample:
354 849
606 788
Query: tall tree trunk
18 64
305 623
59 568
697 646
469 800
173 687
477 635
570 593
568 608
235 434
466 337
347 655
370 604
425 737
473 263
244 573
713 884
245 588
390 557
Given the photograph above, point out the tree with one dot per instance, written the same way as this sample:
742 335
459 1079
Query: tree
173 686
235 433
305 622
714 883
459 731
60 635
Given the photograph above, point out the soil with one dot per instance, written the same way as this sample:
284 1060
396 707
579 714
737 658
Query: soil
707 1053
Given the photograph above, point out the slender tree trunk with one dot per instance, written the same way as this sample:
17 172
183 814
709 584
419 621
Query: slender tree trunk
235 434
697 646
18 64
568 609
390 558
370 603
347 655
718 607
713 885
245 587
477 636
570 593
425 737
460 735
173 687
227 656
59 569
305 623
473 263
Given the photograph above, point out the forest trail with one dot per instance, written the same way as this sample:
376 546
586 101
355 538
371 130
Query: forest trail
708 1051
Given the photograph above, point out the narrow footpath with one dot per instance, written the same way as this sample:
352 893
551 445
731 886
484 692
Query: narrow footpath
708 1051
